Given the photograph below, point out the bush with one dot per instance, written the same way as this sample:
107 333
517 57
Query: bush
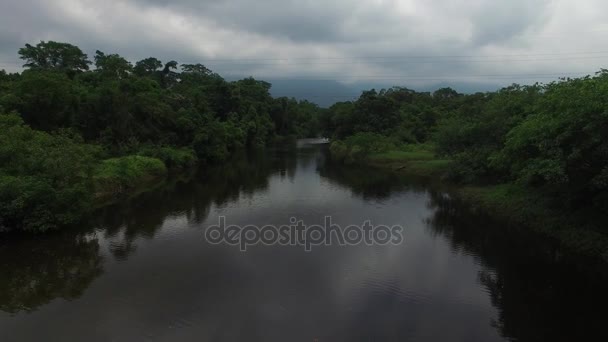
371 142
360 146
174 158
116 175
470 166
338 150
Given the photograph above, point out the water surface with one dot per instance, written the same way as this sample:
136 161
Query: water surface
142 270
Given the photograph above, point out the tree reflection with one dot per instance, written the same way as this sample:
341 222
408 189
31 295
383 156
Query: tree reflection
367 182
34 272
541 292
191 196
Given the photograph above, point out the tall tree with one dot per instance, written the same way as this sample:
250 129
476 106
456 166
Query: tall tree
112 65
148 66
54 55
196 69
169 77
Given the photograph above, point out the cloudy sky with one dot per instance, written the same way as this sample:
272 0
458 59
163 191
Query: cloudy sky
415 43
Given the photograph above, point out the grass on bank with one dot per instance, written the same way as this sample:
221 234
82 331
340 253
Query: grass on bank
415 159
378 150
173 157
117 175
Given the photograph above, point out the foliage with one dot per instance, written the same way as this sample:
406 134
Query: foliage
547 137
211 144
360 146
144 117
407 153
53 55
122 106
117 175
301 119
112 65
44 178
551 138
174 158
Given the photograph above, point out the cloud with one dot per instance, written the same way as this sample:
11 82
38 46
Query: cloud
385 42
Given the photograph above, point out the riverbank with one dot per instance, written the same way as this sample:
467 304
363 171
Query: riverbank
118 176
578 231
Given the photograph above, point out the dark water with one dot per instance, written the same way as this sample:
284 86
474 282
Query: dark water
142 270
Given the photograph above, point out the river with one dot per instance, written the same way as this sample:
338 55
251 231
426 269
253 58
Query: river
142 269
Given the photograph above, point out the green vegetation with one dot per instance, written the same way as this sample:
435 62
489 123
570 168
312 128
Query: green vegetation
538 153
73 130
44 178
174 158
378 150
360 146
578 230
408 153
116 175
422 163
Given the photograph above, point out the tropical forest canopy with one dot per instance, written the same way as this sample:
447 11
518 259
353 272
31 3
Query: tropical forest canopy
74 129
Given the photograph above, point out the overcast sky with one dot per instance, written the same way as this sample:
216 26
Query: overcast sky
405 42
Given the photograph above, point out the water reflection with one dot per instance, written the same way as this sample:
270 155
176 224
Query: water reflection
190 196
142 270
541 292
367 182
35 272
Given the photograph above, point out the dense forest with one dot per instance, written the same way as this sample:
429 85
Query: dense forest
547 139
74 130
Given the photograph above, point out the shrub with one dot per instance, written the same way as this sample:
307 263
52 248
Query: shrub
338 150
118 174
174 158
360 146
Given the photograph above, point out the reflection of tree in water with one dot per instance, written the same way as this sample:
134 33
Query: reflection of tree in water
367 182
285 160
541 293
307 155
191 197
34 272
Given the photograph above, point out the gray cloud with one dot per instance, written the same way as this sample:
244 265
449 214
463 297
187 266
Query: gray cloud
497 22
349 41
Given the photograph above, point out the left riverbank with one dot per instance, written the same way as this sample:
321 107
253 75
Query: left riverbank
72 135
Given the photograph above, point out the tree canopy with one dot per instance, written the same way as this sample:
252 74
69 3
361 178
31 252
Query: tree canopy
103 121
53 55
552 138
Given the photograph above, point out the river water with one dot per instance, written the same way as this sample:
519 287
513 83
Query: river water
142 269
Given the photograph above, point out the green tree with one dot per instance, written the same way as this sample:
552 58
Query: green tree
54 55
48 99
148 66
112 65
37 191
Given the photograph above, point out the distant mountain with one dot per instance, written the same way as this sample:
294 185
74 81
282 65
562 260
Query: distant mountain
326 93
464 87
461 87
323 93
